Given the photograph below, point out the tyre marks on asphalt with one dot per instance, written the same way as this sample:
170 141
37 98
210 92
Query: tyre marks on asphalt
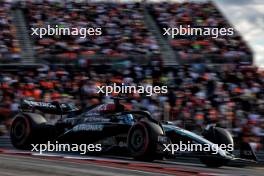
114 163
166 167
5 142
33 166
128 164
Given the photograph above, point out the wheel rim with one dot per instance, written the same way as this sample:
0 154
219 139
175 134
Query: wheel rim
137 140
19 130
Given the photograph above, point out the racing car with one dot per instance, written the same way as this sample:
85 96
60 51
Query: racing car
112 126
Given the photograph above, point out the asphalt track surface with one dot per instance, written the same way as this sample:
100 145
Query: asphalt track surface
24 163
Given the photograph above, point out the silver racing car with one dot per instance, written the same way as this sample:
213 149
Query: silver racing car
117 129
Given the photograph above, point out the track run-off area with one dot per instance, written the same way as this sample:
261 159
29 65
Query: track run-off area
25 163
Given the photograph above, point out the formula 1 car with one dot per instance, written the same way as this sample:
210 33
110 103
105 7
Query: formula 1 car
112 126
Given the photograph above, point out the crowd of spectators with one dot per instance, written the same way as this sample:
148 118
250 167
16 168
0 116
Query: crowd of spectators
124 31
122 25
9 46
203 14
230 96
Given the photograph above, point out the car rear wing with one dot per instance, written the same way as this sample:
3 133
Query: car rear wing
47 107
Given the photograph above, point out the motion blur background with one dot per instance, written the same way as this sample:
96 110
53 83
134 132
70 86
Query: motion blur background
210 80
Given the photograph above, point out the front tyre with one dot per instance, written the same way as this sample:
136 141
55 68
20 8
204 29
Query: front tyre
140 143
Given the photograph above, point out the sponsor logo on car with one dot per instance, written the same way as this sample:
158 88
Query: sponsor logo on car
40 104
88 127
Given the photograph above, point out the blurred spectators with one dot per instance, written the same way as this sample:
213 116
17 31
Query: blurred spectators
230 96
9 46
123 29
193 48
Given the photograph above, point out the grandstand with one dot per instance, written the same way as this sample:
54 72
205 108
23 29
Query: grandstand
132 50
124 33
203 49
9 45
231 95
131 31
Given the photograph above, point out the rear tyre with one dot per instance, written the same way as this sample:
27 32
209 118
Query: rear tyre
27 130
140 143
21 132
